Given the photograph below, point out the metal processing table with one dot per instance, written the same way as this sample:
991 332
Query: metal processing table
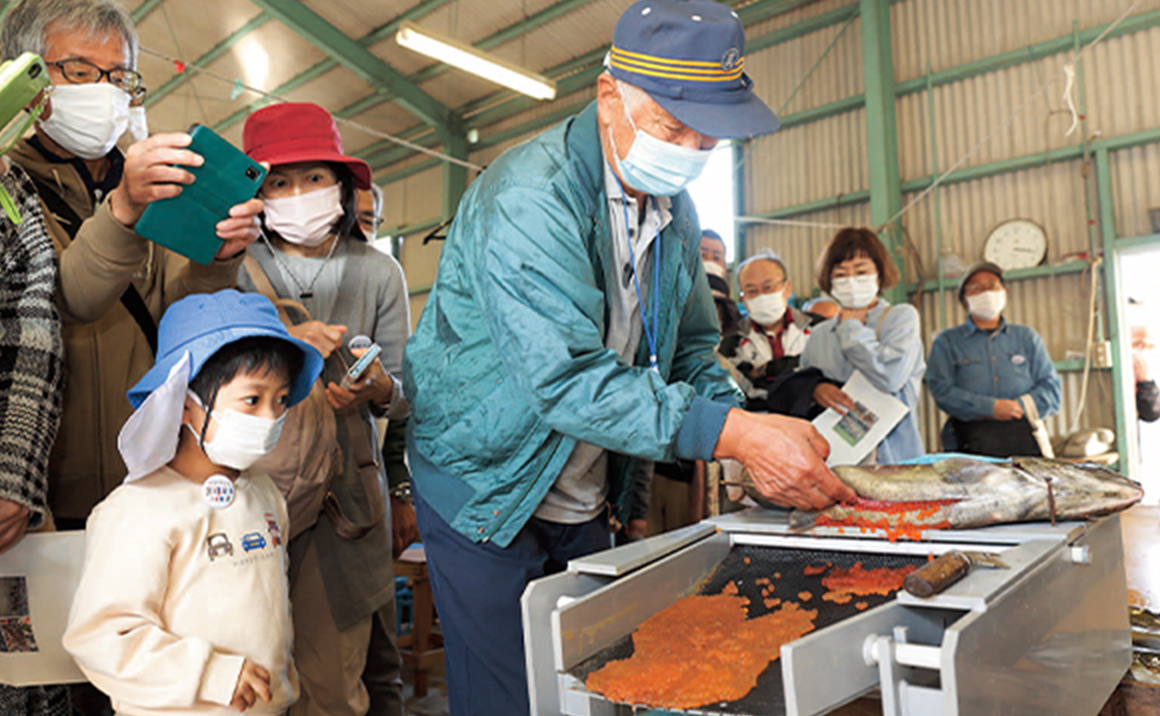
1049 635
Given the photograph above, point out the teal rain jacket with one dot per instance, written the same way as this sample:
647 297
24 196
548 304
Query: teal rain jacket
507 369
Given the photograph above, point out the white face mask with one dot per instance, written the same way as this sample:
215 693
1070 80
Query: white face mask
87 120
766 309
855 291
713 268
240 440
987 305
306 219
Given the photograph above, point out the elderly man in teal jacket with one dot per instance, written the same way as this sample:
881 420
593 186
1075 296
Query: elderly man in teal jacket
570 333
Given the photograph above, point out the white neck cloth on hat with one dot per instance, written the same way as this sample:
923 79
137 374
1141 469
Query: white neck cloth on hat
150 435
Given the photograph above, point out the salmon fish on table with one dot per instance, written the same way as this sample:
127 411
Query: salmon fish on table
961 493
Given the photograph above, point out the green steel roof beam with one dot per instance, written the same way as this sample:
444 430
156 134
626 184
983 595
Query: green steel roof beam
496 38
1031 53
515 103
322 67
212 54
393 153
356 58
505 34
144 9
575 64
763 10
586 68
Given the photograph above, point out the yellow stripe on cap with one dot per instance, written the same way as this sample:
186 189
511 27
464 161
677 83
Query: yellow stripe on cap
663 60
675 75
627 63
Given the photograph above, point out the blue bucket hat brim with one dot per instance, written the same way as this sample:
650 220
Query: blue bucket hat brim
203 324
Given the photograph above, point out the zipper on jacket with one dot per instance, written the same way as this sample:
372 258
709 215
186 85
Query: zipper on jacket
503 518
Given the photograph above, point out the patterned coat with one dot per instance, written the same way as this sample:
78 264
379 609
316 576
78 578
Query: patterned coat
31 374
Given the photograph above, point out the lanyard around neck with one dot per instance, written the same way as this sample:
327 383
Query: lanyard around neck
649 333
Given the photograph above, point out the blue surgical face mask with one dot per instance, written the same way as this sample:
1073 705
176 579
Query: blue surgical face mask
655 166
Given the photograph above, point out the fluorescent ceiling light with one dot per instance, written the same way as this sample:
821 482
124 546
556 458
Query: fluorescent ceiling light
469 59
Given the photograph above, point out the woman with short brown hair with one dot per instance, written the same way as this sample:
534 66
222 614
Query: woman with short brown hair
868 335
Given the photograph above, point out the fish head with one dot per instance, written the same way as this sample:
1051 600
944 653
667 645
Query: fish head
1083 490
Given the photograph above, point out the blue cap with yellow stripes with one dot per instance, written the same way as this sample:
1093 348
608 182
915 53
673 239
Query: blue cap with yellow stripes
689 56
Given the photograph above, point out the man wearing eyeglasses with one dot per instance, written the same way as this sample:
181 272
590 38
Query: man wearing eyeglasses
771 338
114 285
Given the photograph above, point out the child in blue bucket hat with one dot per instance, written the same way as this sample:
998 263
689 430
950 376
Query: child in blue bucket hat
183 603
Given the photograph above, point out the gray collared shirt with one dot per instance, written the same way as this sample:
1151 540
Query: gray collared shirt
582 486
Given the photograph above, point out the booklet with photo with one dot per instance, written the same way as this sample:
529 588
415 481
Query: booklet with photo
38 578
852 436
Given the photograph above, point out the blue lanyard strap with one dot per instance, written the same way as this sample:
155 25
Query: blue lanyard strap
650 334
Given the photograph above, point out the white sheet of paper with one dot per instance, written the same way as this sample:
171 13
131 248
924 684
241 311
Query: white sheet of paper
854 435
50 565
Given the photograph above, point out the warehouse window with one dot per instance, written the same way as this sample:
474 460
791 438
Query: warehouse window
712 193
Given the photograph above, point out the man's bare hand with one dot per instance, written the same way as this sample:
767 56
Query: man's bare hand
253 684
14 519
636 529
1008 410
151 174
323 337
785 457
831 396
404 527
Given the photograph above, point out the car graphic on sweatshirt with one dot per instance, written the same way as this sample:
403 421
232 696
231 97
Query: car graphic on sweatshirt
218 545
253 541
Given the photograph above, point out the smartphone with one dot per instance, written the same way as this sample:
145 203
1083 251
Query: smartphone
187 223
361 366
20 81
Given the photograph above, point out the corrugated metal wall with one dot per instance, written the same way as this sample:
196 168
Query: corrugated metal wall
828 158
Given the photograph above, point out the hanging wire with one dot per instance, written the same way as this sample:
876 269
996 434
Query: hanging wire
232 81
1007 122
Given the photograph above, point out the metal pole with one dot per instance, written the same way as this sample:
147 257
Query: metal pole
882 128
1126 443
942 306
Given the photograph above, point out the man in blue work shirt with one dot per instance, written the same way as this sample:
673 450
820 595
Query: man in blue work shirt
978 372
570 333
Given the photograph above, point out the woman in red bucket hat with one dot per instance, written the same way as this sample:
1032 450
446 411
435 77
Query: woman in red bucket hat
312 253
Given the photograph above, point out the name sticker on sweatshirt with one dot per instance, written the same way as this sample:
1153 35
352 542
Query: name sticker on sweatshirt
218 492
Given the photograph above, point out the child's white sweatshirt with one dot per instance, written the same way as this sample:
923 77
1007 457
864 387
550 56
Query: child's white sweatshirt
175 594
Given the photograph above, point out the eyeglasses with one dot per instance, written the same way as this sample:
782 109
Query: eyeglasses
755 291
82 72
975 289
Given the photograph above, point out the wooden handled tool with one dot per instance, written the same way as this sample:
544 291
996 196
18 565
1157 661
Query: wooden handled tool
933 578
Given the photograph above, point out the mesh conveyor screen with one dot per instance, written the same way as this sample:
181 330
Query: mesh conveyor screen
768 697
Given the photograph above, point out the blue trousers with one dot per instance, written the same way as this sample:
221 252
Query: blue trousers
477 589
